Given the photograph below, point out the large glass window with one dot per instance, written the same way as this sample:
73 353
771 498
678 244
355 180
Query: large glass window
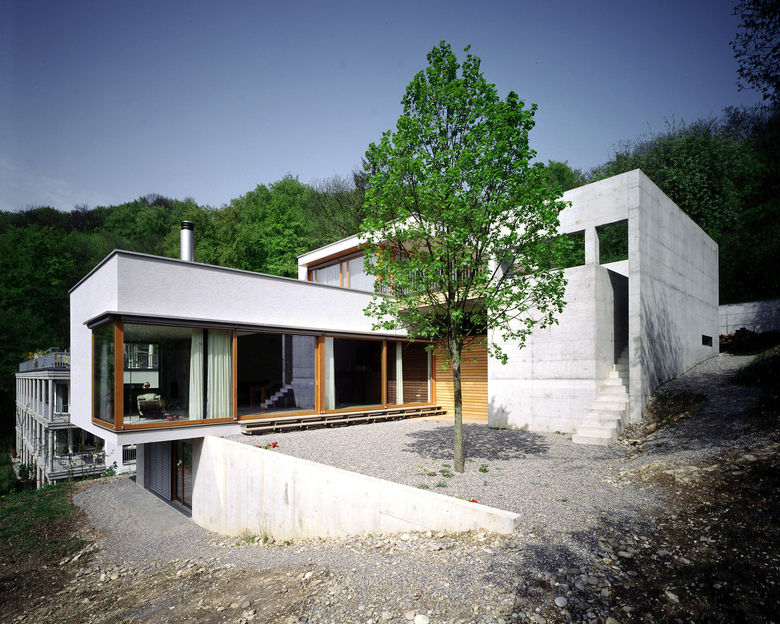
358 280
353 373
407 373
176 374
103 374
275 373
329 275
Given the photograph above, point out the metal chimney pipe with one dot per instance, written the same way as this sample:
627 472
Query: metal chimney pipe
188 241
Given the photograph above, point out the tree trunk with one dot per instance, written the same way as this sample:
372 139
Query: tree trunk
458 460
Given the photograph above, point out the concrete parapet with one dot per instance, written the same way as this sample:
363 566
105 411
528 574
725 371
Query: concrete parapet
240 488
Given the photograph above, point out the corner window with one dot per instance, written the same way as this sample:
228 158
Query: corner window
103 373
176 374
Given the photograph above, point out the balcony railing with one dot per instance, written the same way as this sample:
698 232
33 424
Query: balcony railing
141 361
79 462
55 360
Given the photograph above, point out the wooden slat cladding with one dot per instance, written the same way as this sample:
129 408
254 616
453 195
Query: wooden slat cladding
473 378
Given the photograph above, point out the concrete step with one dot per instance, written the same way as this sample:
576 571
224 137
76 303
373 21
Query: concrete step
606 403
613 374
593 440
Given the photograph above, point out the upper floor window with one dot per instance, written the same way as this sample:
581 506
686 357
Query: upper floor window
345 272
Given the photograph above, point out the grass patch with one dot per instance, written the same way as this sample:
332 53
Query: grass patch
36 521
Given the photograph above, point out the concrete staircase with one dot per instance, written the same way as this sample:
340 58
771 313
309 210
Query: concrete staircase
608 413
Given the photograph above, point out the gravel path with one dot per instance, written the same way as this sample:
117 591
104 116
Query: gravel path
574 512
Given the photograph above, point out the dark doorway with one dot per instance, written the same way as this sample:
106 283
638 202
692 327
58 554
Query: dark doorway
181 489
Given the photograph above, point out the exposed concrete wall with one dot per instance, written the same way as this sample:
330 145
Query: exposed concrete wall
549 383
673 290
239 488
757 316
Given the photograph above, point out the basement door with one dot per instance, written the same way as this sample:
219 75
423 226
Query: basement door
181 488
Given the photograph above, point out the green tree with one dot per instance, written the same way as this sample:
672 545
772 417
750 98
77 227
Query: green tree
461 225
335 209
757 47
564 176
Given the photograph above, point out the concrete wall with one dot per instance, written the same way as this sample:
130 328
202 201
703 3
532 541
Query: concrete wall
549 383
673 290
239 488
662 310
757 316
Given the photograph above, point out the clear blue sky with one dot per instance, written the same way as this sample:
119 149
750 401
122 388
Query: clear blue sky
104 101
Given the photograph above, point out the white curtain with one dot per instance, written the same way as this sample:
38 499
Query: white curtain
219 386
330 376
195 411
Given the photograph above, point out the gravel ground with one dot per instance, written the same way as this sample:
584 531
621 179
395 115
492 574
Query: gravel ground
575 516
718 426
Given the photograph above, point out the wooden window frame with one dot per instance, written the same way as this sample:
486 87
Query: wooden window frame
119 406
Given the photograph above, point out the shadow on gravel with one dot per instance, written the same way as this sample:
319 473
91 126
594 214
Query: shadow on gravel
479 442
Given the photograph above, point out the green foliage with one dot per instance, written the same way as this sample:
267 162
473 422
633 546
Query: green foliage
725 174
451 190
565 177
335 208
757 47
613 242
7 478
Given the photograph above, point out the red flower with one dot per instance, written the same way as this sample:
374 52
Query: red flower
472 500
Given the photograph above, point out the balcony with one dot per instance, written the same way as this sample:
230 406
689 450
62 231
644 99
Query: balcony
79 463
56 360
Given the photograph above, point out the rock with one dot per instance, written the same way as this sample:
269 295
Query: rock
421 619
539 618
625 555
409 615
683 560
672 597
245 604
561 602
611 620
386 615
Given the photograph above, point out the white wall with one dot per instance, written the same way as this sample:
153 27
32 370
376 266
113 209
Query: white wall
757 316
88 299
237 488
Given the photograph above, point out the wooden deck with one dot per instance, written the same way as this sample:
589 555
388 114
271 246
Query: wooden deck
290 423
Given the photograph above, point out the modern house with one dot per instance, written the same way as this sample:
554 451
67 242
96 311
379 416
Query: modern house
46 440
168 352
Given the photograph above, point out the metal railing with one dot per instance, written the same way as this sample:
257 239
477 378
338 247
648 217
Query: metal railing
79 462
128 454
54 360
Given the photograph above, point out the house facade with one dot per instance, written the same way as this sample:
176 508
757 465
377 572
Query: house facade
47 442
166 352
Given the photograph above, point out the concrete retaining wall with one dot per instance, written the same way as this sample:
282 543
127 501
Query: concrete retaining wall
238 488
757 316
